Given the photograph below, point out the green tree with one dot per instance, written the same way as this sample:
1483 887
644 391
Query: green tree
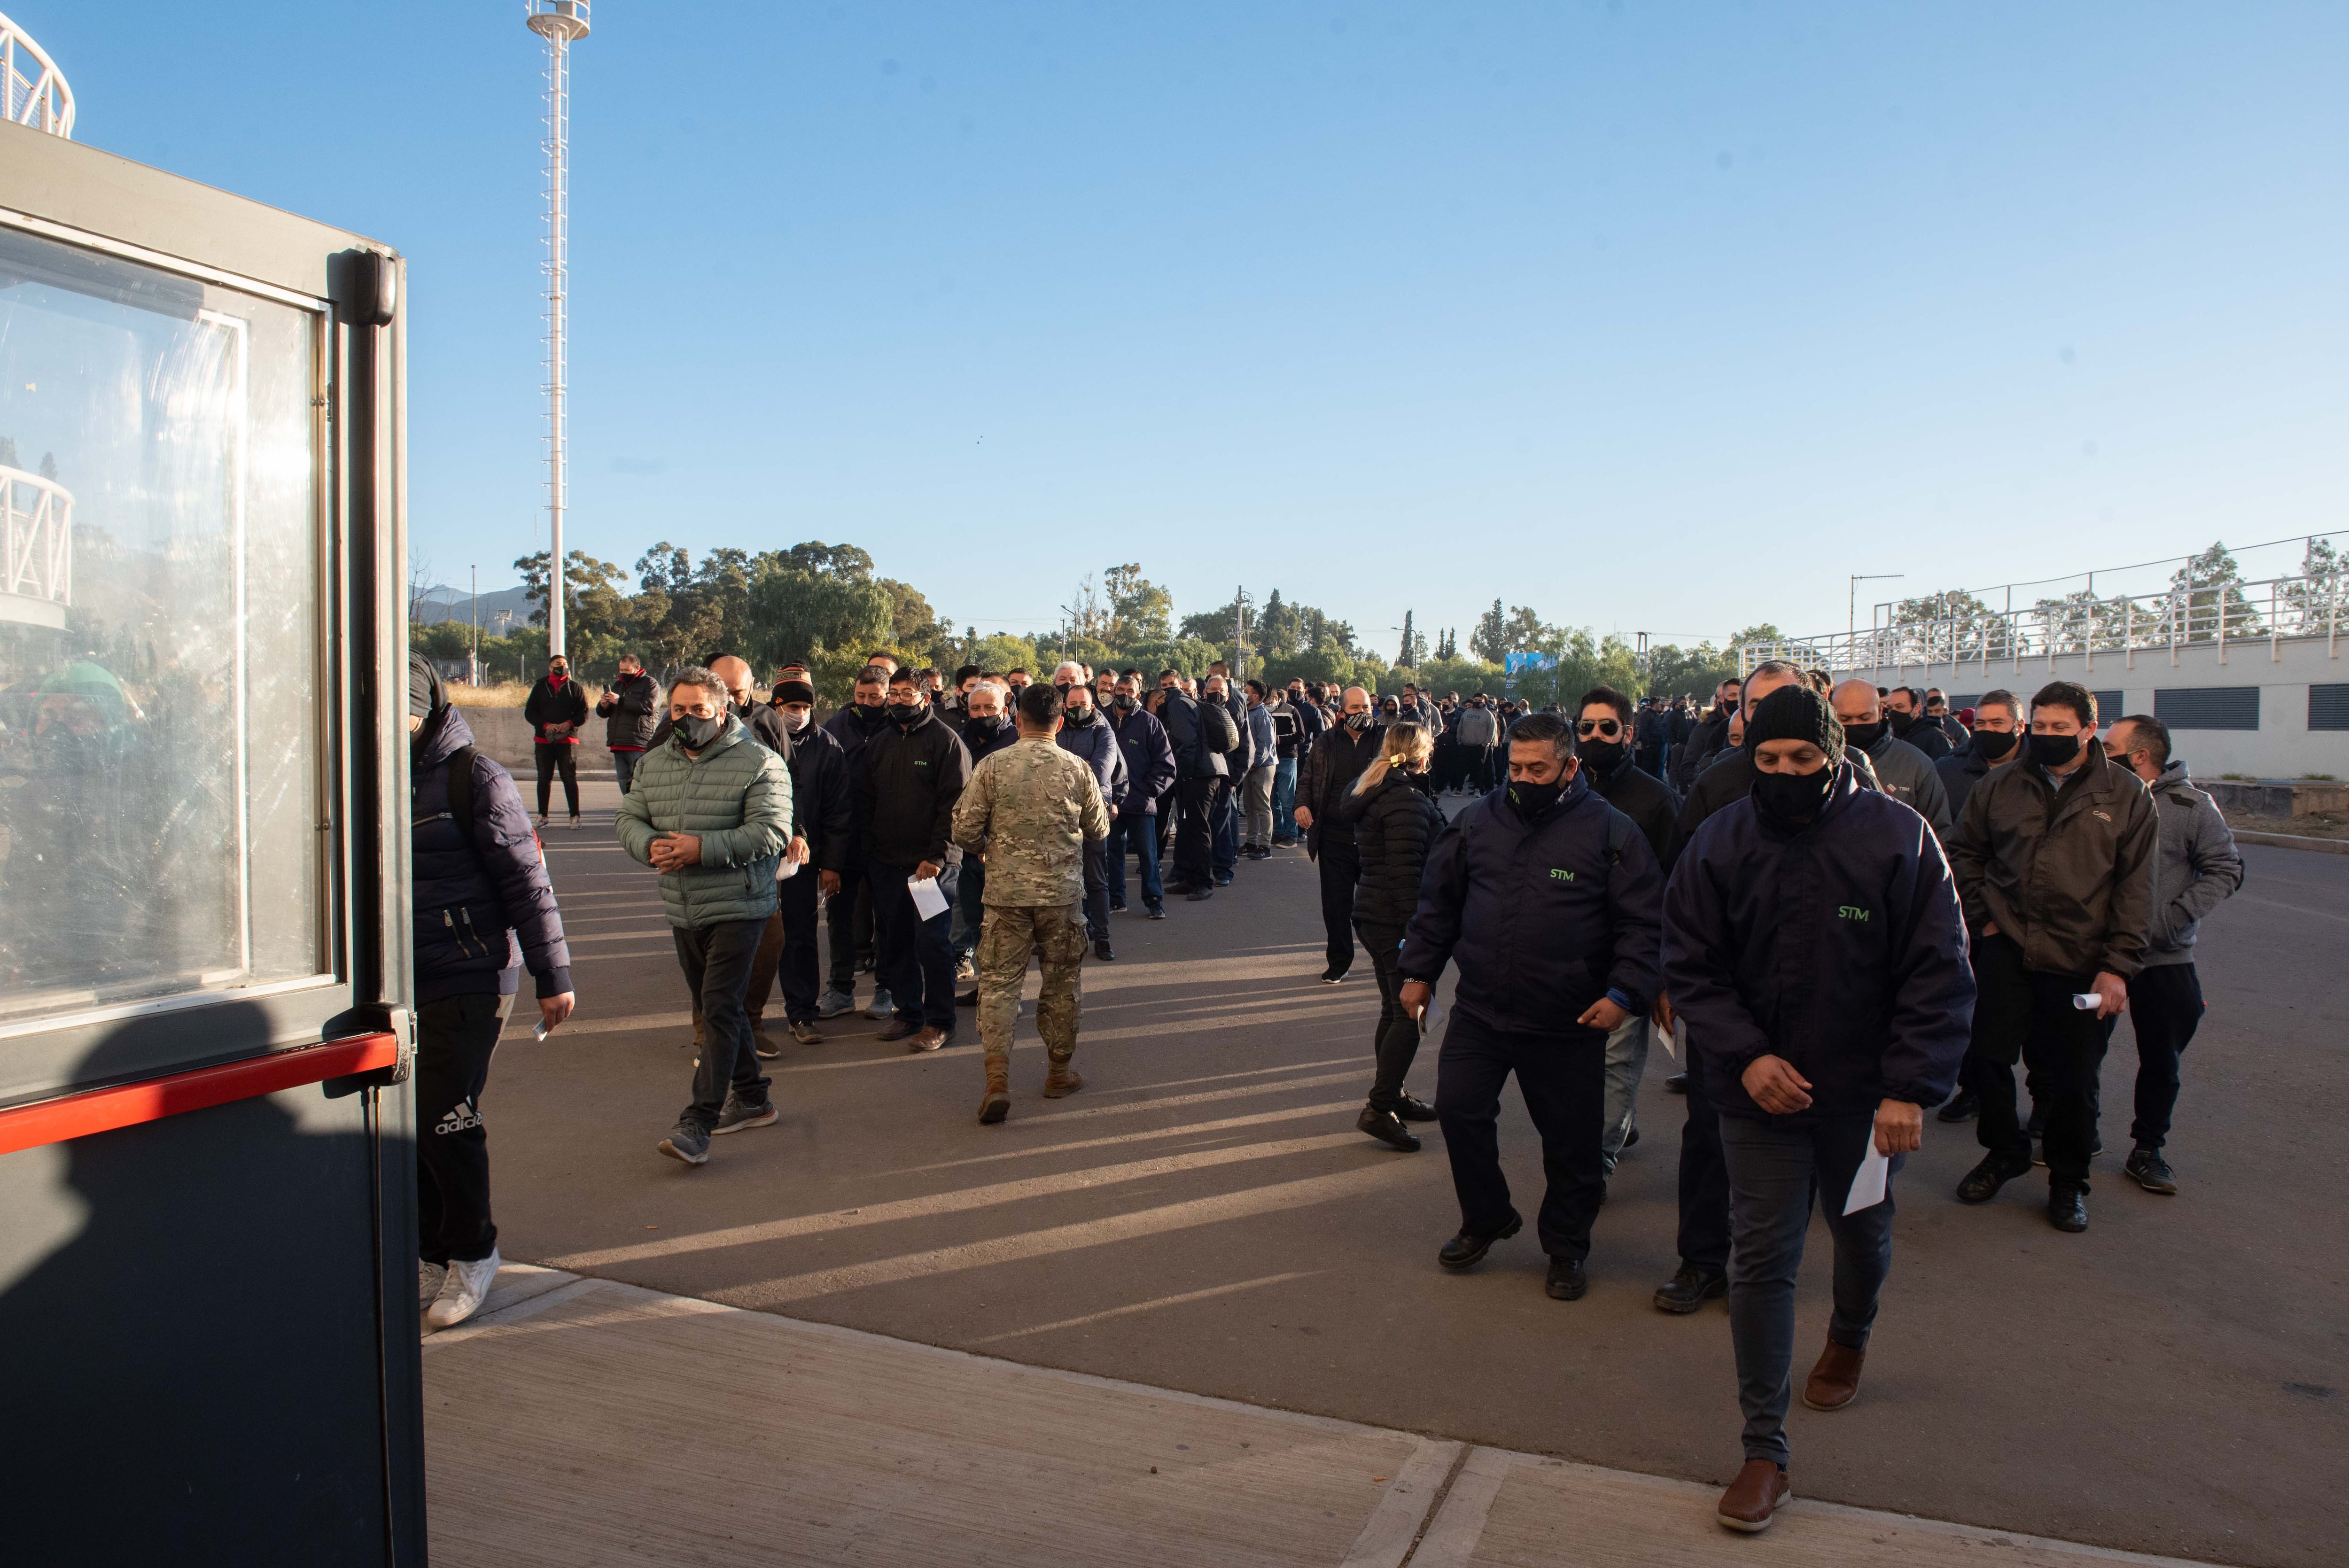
2209 593
1490 640
1139 610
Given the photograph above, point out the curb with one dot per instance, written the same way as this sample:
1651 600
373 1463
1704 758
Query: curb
2295 841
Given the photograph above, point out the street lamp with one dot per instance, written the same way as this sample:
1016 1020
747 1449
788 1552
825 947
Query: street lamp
1851 601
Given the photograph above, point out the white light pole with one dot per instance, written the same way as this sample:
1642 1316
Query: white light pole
1851 603
558 22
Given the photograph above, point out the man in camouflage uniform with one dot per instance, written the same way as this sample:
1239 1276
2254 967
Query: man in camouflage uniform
1030 810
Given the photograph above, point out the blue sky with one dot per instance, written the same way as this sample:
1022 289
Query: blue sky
1656 317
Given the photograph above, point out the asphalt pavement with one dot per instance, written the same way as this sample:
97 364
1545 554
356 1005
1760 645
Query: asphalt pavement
1202 1217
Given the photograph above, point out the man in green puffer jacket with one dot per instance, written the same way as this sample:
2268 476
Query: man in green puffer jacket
710 810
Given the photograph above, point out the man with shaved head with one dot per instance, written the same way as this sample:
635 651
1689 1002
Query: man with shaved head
1902 772
1336 760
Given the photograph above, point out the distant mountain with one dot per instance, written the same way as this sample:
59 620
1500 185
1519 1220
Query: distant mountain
502 610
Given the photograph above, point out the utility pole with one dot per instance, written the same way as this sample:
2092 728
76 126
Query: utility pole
1239 634
1851 602
473 660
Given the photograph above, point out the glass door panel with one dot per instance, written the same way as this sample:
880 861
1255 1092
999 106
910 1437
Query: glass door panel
161 712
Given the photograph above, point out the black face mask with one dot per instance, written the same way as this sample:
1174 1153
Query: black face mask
868 718
978 728
1604 754
696 731
1357 722
1079 717
1532 800
1993 743
2054 750
903 712
1788 799
1864 735
1903 723
1729 708
1125 704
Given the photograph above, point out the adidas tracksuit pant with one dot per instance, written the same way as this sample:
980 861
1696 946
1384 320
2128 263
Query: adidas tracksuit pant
455 1037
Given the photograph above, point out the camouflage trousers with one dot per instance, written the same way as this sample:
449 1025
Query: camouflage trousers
1007 937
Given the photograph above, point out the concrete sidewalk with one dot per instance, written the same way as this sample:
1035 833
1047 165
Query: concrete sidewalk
581 1421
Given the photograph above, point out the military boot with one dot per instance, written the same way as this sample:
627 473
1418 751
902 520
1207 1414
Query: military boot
1062 1078
996 1104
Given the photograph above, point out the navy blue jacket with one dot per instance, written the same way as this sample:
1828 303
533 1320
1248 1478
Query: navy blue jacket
1838 946
483 912
1543 919
1097 744
854 737
824 800
1149 761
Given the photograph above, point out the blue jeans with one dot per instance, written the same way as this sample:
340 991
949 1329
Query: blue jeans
1774 1166
1284 800
1139 835
624 767
969 905
1627 1063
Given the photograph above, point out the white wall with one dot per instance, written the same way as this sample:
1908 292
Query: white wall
2281 747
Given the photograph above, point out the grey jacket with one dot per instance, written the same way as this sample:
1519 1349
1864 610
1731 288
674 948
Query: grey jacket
2196 869
1907 775
737 797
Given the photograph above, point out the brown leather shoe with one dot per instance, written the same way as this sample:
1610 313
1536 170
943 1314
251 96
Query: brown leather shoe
899 1029
1754 1498
1835 1381
1060 1080
996 1104
929 1039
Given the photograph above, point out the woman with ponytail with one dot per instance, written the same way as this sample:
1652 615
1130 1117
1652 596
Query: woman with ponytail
1395 817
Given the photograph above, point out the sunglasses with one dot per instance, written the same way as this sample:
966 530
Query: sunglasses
1609 728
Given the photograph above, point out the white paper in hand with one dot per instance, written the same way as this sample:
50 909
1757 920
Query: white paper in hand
786 867
929 901
1430 1017
1868 1187
1676 1040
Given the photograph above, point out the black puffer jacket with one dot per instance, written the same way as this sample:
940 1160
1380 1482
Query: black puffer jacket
1394 822
482 909
631 712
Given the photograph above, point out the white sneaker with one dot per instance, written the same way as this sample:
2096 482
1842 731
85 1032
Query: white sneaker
428 1281
462 1293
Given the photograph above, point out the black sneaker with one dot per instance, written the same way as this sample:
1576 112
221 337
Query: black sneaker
1117 909
1102 952
1158 911
1982 1183
1332 976
1567 1281
1200 895
1963 1107
1467 1249
1414 1109
1388 1128
2067 1209
2150 1170
1689 1289
738 1117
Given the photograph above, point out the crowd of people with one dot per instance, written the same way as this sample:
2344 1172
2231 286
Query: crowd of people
1839 906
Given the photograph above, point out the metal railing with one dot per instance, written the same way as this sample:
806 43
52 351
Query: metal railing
37 518
2225 613
33 91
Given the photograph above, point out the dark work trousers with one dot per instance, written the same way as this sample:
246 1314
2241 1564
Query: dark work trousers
913 959
1194 799
455 1036
2064 1049
1397 1041
717 962
624 766
1563 1077
558 756
1170 809
848 921
969 908
1139 834
787 953
1480 769
1223 823
1097 889
1342 867
1776 1165
1705 1179
2165 1009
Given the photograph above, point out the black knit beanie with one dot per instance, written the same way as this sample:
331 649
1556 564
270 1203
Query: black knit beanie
424 693
1795 713
795 691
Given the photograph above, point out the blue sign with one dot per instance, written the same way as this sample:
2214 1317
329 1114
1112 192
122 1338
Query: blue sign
1518 664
